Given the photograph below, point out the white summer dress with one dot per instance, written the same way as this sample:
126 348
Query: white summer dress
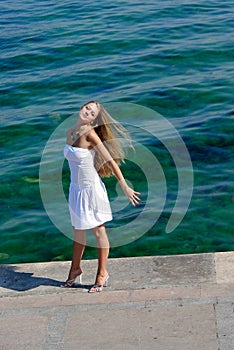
88 201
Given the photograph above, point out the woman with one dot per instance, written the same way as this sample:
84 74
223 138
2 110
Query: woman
93 150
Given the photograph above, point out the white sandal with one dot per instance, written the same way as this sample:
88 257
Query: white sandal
97 288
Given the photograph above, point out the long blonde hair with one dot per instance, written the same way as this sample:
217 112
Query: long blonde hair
111 134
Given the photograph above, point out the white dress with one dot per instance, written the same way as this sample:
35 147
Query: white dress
88 201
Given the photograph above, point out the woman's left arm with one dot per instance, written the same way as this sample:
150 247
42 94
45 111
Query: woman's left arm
99 147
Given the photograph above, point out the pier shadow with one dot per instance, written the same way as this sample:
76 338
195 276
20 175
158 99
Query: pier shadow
80 286
19 281
15 280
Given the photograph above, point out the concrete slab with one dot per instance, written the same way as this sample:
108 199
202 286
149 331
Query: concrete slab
23 332
125 273
164 303
224 266
160 327
73 297
225 325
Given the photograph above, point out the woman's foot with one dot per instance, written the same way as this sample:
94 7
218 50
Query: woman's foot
72 277
101 281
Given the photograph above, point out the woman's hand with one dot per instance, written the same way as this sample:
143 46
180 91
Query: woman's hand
130 193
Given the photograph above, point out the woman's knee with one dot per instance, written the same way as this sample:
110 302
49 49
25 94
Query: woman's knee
99 230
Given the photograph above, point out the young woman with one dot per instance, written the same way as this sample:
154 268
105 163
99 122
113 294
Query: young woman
93 151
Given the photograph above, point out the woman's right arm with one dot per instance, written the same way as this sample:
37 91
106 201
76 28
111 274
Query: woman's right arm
99 147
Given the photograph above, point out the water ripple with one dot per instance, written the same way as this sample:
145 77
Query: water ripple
174 57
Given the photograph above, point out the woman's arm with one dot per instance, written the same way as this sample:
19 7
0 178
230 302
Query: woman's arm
99 147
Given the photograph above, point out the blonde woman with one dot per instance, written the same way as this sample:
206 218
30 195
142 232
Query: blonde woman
93 151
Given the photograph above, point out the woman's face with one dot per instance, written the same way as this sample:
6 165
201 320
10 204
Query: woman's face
89 112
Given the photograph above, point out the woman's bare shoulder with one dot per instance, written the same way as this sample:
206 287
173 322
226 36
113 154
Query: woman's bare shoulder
92 133
93 136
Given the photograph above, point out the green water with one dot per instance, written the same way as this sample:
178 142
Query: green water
173 58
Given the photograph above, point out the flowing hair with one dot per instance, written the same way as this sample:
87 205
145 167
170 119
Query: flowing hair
111 134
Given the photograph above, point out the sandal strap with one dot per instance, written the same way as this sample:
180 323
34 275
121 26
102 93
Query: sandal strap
96 288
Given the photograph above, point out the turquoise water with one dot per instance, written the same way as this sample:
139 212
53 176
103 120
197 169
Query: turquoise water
175 58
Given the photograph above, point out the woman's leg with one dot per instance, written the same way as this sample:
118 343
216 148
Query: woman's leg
103 253
78 250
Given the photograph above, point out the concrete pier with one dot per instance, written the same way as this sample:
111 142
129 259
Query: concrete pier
183 302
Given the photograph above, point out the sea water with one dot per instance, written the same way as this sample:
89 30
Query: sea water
174 58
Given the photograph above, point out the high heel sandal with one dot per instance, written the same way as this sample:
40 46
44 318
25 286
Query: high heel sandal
97 288
70 282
